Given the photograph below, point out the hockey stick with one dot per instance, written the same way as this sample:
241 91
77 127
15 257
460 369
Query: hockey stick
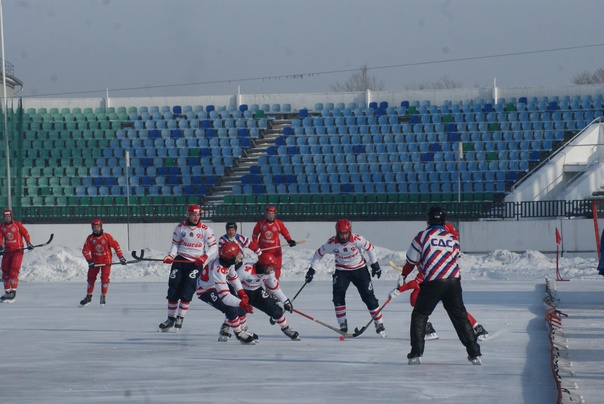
140 258
395 267
345 334
271 320
285 245
116 263
305 283
358 331
25 248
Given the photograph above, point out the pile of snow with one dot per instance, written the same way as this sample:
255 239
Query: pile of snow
58 264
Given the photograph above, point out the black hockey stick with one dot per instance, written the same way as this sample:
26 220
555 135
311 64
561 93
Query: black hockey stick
358 331
345 334
25 248
296 295
119 263
271 320
141 258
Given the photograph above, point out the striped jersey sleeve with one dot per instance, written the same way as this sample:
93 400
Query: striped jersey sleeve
435 251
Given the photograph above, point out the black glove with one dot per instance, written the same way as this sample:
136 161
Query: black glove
238 265
287 305
376 270
29 246
309 274
1 250
90 264
291 243
123 261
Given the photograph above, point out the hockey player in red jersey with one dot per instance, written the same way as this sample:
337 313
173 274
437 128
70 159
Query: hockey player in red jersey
97 250
414 285
13 235
193 244
266 235
435 252
351 266
213 288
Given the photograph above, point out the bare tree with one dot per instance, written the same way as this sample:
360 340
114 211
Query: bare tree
359 81
596 77
441 84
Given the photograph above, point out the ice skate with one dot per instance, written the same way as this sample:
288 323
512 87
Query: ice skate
9 297
103 300
245 338
244 328
86 301
475 360
293 335
344 326
481 333
381 330
430 332
178 323
224 333
414 360
168 324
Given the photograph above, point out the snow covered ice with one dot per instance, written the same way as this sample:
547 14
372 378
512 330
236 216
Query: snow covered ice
55 351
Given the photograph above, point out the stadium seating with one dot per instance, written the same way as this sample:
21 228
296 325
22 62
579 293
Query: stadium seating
330 150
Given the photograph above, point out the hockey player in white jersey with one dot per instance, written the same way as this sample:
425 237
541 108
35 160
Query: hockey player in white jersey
262 287
213 288
193 243
351 266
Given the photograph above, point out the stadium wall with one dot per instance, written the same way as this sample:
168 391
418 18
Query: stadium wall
578 236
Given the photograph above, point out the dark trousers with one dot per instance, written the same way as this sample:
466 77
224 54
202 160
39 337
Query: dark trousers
261 300
231 312
359 278
182 281
447 291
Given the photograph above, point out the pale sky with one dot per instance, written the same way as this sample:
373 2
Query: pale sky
79 48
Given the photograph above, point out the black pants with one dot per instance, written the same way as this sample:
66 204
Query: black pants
182 281
231 312
261 300
447 291
359 278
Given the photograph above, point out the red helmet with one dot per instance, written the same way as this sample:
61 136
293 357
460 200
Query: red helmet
270 208
229 253
97 222
265 261
451 229
7 212
343 226
193 209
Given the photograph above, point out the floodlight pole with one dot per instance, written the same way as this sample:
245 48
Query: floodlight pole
5 113
459 158
127 156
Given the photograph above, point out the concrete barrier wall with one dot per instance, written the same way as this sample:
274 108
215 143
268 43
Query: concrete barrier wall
476 237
